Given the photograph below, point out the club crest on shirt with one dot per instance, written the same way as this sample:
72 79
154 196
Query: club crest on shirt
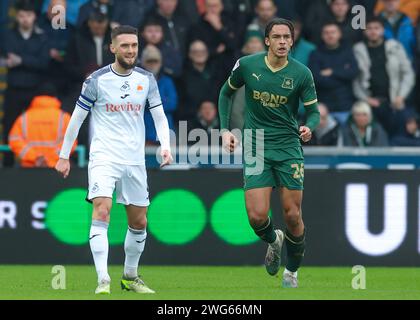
125 87
287 83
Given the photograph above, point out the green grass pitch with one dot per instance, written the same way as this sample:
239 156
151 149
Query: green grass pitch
212 283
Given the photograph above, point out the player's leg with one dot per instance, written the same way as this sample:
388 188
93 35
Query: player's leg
257 206
102 179
134 243
98 240
294 235
133 193
135 239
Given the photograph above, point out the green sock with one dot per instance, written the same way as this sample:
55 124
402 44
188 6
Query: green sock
266 232
295 250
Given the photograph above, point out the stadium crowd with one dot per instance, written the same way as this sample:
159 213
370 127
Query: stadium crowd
367 79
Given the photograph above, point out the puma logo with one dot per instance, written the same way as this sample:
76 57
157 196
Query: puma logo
257 77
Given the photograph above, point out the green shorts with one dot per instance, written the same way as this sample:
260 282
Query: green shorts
275 168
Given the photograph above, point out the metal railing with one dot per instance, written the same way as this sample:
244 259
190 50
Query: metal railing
81 154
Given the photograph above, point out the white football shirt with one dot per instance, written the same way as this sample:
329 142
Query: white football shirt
117 105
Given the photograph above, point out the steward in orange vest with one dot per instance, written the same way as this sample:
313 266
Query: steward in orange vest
37 135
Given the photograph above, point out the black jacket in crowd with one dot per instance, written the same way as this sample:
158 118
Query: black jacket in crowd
81 55
35 58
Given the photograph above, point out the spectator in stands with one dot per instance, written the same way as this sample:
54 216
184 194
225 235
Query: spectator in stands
58 40
106 7
386 77
89 48
151 60
418 68
152 33
131 12
328 132
175 23
287 9
37 135
201 80
26 57
411 135
409 7
361 130
241 13
334 67
4 9
206 118
341 13
302 49
253 44
265 11
72 10
314 17
398 26
216 30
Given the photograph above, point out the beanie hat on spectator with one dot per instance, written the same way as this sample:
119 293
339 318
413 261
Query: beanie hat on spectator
253 33
151 53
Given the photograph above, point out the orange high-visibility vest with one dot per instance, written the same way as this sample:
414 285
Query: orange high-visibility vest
39 131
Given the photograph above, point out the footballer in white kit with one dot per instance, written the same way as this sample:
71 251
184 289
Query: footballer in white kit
116 96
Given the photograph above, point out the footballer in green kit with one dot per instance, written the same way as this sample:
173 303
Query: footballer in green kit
274 86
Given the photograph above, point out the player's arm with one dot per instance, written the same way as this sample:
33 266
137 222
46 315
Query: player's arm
160 121
234 82
78 117
83 106
310 102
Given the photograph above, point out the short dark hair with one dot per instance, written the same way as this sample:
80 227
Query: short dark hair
280 21
151 22
25 5
97 16
330 23
124 29
375 19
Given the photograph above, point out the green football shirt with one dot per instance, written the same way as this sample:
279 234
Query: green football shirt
272 97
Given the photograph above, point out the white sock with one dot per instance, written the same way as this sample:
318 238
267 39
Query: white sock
98 240
293 274
133 246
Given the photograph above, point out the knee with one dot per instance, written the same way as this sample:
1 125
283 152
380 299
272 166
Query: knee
102 212
292 216
140 223
257 216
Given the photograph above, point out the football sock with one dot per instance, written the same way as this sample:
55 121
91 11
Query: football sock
133 246
98 240
295 250
266 232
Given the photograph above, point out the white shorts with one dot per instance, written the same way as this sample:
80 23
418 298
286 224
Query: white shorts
128 181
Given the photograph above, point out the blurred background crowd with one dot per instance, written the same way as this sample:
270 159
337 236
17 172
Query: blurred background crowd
367 78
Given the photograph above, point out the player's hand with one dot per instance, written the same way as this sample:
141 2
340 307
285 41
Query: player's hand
166 158
305 133
63 167
229 141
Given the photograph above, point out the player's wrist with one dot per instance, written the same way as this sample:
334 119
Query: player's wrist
223 131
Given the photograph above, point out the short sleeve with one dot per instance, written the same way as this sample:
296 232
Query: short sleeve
153 96
89 94
236 79
308 91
